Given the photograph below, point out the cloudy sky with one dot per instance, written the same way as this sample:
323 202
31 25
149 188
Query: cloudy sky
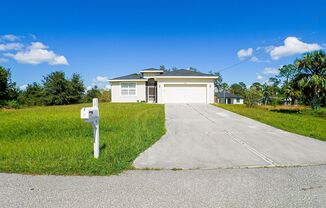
245 40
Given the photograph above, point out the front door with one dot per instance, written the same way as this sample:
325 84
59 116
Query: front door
151 94
151 91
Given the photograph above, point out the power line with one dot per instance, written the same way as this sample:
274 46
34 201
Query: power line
258 53
247 59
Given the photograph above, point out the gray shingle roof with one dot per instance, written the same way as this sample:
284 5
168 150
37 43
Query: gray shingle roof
227 95
180 72
130 76
184 72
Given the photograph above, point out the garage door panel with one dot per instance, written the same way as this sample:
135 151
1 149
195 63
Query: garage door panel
184 93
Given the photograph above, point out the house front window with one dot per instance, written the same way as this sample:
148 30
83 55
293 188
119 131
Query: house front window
128 89
238 100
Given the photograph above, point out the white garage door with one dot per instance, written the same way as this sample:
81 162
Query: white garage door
184 93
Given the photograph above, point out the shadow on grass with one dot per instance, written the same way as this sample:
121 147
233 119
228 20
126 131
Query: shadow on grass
321 113
289 111
102 147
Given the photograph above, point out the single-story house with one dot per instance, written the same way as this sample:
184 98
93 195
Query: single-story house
225 97
159 86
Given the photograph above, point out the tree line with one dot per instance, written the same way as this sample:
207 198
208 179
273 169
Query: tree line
55 89
302 82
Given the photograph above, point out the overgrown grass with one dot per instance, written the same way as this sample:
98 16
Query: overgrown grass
298 120
54 140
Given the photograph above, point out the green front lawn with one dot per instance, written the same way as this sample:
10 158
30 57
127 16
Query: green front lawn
301 121
54 140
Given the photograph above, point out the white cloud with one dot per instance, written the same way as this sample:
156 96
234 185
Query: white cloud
292 46
11 46
37 45
3 60
244 53
38 53
102 82
59 60
9 37
257 60
259 77
267 49
270 71
102 79
254 59
23 87
107 87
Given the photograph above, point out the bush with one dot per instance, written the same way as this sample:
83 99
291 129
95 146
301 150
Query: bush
12 104
252 97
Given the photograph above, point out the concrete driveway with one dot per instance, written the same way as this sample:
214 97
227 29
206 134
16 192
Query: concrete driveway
207 137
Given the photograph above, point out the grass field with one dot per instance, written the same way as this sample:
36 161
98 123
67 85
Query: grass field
54 140
300 120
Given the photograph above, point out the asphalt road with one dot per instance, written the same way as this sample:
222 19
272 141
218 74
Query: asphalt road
204 136
257 187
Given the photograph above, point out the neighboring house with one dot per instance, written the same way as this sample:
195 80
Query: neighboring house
159 86
225 97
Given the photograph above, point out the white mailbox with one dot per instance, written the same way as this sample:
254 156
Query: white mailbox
91 115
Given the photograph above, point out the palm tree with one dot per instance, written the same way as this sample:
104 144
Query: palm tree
266 92
291 92
312 78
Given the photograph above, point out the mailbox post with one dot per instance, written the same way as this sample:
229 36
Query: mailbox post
91 115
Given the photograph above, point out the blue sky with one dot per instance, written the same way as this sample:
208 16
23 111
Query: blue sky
105 39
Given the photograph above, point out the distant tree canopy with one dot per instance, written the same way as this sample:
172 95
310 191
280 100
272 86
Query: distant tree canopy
311 77
32 95
8 90
77 88
162 67
92 93
238 88
303 82
55 89
58 90
288 72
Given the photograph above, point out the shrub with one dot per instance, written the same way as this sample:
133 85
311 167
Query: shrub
12 104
